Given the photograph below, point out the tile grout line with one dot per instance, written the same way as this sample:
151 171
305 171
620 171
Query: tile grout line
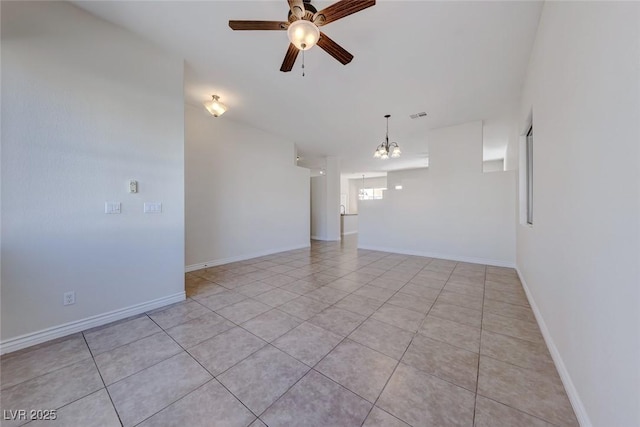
102 379
323 357
407 348
475 400
213 377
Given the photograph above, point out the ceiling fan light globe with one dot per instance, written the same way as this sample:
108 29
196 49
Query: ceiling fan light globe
303 34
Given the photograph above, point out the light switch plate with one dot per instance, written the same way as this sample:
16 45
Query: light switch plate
153 207
112 207
133 186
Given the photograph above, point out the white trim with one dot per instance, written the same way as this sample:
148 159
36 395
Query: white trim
572 392
350 232
316 238
27 340
474 260
222 261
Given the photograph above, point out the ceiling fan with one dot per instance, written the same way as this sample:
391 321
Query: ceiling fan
302 28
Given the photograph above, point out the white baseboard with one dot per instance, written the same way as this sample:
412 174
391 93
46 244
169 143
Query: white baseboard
349 233
474 260
244 257
572 392
27 340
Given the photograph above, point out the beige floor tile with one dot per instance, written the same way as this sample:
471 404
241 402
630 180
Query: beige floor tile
509 310
209 406
53 390
454 333
490 413
421 291
465 289
508 297
358 304
128 359
380 294
276 297
400 317
263 377
389 283
308 343
271 325
253 289
358 368
141 395
244 310
177 313
411 302
327 294
221 300
316 401
198 330
457 313
513 327
338 321
94 410
538 395
385 338
303 308
114 335
424 400
468 301
221 352
38 360
379 418
345 285
445 361
525 354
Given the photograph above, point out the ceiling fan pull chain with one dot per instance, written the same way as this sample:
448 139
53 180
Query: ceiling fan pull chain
303 46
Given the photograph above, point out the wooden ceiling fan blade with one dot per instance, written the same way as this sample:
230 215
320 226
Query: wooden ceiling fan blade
334 49
297 8
340 9
289 58
258 25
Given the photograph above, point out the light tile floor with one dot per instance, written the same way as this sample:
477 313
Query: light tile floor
327 336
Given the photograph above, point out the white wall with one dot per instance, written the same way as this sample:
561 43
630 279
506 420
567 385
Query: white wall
245 197
86 106
449 210
318 207
581 258
493 165
332 178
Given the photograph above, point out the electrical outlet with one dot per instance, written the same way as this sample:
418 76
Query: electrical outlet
69 298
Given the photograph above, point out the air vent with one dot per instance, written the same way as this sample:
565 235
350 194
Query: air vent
418 115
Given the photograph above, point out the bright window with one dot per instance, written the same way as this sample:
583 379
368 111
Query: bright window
371 193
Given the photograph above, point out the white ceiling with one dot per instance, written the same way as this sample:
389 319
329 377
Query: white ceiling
458 61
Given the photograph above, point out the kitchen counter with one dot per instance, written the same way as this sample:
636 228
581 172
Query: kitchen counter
348 224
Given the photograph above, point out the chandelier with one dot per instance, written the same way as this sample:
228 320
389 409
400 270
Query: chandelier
387 149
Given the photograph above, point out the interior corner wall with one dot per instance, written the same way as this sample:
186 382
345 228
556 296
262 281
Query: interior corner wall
245 197
580 261
450 210
86 106
318 208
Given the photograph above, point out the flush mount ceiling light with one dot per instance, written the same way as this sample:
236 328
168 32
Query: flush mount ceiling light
387 149
215 107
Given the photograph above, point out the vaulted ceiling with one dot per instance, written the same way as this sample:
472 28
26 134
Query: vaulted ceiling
457 61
